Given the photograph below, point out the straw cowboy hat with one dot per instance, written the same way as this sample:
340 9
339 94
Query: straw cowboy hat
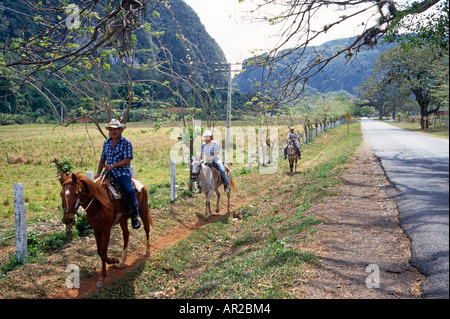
115 124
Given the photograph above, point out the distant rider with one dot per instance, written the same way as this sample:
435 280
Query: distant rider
293 136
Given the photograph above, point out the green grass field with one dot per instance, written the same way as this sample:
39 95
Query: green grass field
223 259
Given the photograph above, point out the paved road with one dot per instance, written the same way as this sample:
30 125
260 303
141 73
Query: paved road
418 166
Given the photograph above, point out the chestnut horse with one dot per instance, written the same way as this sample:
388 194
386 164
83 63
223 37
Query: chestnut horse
102 212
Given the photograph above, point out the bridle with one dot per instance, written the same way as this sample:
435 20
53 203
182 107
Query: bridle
77 204
194 176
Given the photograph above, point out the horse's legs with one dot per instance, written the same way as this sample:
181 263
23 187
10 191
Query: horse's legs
102 239
208 205
98 241
105 243
218 199
125 235
207 210
228 204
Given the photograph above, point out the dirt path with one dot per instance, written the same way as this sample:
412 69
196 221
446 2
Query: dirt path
361 228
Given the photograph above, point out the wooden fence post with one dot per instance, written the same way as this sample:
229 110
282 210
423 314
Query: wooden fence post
173 187
21 226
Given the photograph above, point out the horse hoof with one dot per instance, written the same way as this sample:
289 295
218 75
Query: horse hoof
147 253
120 265
100 284
217 210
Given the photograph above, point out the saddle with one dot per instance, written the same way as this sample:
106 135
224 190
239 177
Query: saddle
114 189
216 171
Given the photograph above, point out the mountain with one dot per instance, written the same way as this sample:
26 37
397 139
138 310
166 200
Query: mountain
176 19
172 27
338 75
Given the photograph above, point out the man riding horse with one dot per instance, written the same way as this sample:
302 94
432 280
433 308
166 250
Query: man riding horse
294 138
211 150
117 155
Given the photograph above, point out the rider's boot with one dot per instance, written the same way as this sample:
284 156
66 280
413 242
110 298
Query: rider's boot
134 217
135 222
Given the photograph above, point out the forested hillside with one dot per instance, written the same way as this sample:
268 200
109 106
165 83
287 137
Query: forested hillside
171 43
338 75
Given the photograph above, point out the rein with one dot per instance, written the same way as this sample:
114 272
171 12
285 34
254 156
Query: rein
206 186
77 205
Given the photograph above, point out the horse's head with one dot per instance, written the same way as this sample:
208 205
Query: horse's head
291 150
196 166
71 195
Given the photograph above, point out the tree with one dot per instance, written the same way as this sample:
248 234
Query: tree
61 36
296 19
421 71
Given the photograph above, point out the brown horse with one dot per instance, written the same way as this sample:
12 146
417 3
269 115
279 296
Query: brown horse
102 212
292 156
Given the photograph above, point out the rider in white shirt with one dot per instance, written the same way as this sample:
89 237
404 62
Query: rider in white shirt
210 151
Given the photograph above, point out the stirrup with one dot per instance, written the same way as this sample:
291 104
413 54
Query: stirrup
135 222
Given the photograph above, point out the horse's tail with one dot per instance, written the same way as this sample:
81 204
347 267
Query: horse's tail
144 207
232 183
150 220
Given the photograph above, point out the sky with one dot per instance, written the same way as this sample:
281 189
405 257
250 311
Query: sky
228 22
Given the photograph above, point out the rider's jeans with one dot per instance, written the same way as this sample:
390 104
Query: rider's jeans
127 188
221 169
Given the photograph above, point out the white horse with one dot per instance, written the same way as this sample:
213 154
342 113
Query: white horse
210 180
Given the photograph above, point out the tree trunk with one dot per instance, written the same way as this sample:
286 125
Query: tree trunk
191 153
423 99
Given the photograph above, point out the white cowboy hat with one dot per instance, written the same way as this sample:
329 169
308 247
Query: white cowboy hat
115 124
207 133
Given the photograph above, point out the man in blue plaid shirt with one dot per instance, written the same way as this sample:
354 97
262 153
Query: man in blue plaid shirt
117 155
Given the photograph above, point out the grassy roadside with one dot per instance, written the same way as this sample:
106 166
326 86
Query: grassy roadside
264 256
440 132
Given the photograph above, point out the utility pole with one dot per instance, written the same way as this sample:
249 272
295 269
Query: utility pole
228 143
228 130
